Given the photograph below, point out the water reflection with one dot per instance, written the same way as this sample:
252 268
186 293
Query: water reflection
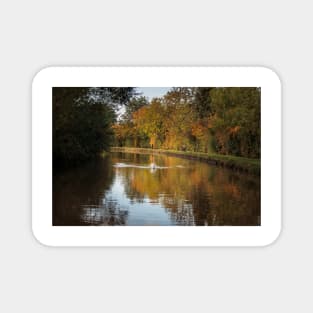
123 189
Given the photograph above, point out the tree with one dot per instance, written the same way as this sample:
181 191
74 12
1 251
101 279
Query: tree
179 117
82 120
202 101
203 119
236 120
148 121
134 105
126 130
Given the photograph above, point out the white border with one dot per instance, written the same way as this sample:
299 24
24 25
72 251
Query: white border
156 235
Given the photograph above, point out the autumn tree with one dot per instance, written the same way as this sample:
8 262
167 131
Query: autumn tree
126 129
134 105
203 119
149 121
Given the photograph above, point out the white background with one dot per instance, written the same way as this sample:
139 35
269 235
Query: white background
35 34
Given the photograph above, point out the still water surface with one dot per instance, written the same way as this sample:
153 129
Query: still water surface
124 189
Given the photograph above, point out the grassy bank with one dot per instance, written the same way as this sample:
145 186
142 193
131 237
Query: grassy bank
252 166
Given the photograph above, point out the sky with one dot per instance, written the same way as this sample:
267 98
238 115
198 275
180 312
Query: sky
152 92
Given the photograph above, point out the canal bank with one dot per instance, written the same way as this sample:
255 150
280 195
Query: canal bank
251 166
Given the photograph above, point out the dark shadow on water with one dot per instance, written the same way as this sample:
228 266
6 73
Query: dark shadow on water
79 194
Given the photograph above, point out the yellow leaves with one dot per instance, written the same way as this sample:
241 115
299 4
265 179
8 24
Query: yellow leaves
139 115
198 130
122 130
152 141
227 122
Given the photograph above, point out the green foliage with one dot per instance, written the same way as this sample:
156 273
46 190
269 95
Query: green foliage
202 102
134 105
236 120
82 121
210 120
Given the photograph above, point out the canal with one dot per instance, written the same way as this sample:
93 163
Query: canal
154 190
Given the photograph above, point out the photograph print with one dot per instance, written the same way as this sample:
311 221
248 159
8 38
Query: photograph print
156 156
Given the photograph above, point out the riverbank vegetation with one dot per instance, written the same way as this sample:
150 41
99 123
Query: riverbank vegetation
216 124
210 120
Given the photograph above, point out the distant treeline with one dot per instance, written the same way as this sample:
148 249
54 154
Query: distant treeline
87 121
221 120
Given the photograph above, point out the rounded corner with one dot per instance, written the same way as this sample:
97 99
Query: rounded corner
273 239
41 73
38 239
273 74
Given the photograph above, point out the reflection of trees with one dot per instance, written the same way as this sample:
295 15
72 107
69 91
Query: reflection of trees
193 193
85 185
133 158
197 194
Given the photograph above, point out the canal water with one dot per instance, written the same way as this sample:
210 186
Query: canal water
148 190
